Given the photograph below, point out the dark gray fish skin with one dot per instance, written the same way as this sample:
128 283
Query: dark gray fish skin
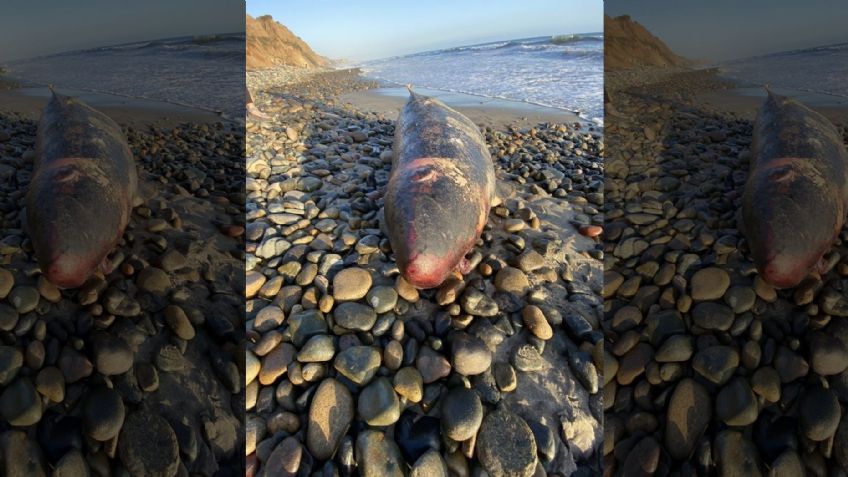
439 192
80 197
795 199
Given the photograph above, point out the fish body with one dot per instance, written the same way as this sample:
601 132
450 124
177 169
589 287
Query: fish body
794 203
441 186
80 196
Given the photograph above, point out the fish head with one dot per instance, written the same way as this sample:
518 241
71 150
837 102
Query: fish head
74 220
433 220
791 218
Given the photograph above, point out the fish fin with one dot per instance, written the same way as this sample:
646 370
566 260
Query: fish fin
409 88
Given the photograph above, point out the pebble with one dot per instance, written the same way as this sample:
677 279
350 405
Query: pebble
24 298
820 413
506 445
512 280
527 358
713 316
378 404
736 403
735 455
709 284
688 415
378 456
148 446
535 321
178 322
50 383
103 414
154 280
276 363
111 355
716 363
476 303
430 464
409 384
461 413
285 459
355 316
21 456
432 365
330 415
358 363
318 349
72 464
20 404
828 355
469 355
351 284
505 377
382 298
11 361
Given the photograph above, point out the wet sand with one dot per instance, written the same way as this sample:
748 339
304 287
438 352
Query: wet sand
495 113
28 101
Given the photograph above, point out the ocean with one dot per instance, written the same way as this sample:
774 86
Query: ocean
564 71
821 70
189 71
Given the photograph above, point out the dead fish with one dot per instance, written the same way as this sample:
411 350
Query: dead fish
794 202
440 189
80 197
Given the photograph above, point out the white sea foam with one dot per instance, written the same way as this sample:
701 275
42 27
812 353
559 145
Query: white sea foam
563 72
191 71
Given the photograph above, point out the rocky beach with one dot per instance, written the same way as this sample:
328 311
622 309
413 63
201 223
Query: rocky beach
138 372
708 370
349 369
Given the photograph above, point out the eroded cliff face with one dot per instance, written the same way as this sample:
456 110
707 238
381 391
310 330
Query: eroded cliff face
627 44
269 43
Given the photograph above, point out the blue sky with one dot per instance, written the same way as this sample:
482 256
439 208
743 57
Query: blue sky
359 30
33 28
728 29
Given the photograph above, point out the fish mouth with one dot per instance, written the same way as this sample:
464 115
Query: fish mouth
784 272
427 271
68 271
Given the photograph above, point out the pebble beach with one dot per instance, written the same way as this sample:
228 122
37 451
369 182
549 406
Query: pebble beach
349 369
139 371
708 370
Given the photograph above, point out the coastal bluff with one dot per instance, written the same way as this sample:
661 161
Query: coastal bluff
270 44
628 45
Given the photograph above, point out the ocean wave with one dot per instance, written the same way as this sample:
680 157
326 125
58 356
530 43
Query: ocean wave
576 37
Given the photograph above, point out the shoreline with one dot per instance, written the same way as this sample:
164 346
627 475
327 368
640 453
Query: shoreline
491 112
386 99
27 100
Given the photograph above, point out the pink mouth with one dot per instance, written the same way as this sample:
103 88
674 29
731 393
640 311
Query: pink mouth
67 271
427 271
783 274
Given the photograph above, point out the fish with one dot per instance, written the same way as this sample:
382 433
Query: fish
81 194
440 188
794 202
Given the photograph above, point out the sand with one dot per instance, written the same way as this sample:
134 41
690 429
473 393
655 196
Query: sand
495 113
29 101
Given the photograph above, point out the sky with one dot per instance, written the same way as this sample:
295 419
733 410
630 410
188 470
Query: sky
719 30
31 28
362 30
